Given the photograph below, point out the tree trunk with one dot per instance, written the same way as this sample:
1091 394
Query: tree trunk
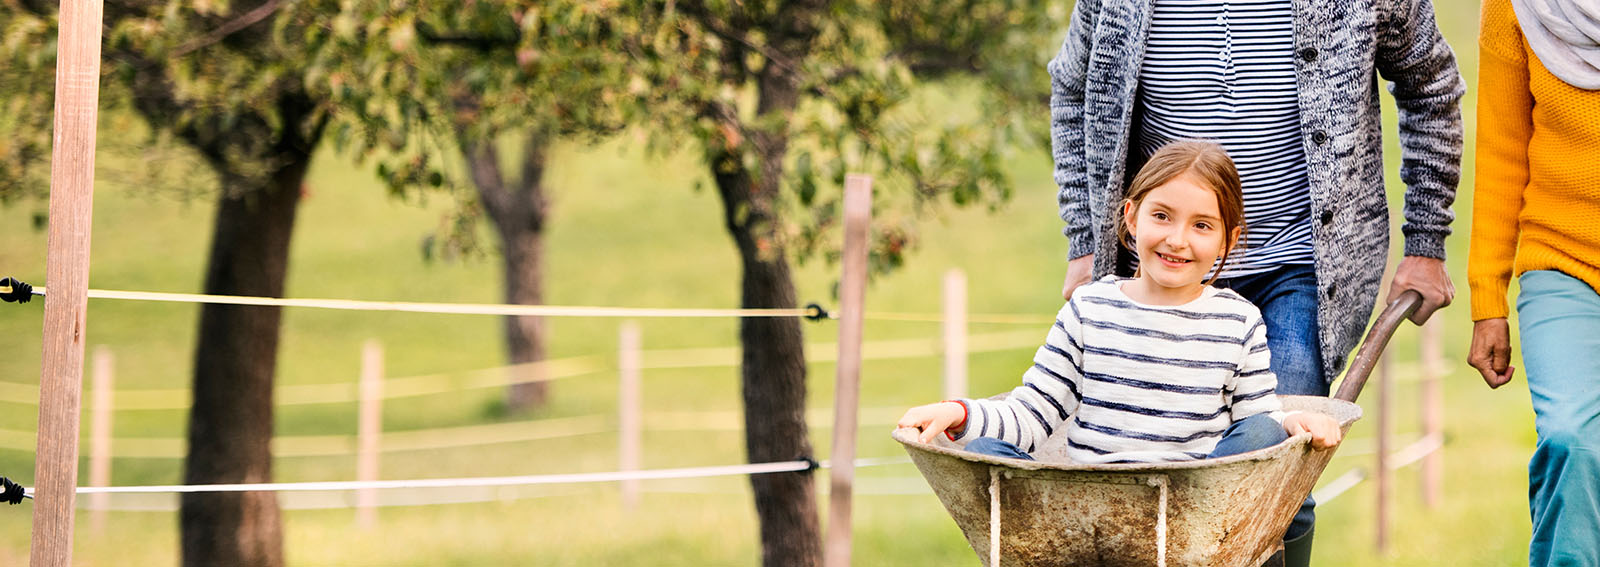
519 214
773 365
231 421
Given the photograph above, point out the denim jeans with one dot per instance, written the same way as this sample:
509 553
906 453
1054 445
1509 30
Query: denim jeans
1559 317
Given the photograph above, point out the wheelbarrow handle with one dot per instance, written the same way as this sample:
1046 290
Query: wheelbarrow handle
1377 338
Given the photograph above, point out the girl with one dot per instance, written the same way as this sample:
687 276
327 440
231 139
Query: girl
1158 367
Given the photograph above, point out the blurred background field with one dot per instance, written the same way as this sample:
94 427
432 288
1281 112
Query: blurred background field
631 229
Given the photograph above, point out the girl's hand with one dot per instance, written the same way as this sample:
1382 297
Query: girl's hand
934 419
1491 351
1324 430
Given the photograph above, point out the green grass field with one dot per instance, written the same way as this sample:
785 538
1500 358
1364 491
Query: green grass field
630 230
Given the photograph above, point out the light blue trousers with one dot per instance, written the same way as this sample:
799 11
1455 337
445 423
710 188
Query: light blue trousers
1559 317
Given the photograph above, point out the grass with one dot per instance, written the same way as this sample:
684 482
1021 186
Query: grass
630 230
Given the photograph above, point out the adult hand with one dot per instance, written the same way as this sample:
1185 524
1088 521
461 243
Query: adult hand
1079 271
1491 351
1323 429
1429 278
934 419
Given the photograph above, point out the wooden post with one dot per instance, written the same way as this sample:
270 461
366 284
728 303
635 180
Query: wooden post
100 435
1385 389
955 334
1432 354
628 410
66 316
369 432
852 300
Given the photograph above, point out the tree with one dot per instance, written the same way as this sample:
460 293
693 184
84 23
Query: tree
213 77
461 80
785 97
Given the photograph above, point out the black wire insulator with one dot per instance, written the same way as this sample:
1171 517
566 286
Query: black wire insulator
10 492
14 290
811 464
815 312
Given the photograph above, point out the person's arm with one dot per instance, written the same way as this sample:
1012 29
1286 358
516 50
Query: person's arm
1049 394
1254 392
1427 89
1505 126
1254 388
1068 78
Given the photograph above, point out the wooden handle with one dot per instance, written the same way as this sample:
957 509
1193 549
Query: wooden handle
1372 347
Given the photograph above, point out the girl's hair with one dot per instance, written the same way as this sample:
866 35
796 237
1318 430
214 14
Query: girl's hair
1207 163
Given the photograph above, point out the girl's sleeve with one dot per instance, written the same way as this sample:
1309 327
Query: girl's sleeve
1049 394
1254 388
1505 125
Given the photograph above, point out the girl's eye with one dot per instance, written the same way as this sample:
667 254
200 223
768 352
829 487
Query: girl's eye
1159 215
1203 225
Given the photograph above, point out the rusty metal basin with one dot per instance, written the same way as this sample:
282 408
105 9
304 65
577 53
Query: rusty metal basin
1224 512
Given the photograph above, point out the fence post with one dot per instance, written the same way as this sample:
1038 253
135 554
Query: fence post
955 334
100 435
1432 355
847 385
66 314
1385 389
369 432
629 419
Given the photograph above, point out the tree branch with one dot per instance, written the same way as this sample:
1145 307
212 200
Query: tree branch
483 43
229 28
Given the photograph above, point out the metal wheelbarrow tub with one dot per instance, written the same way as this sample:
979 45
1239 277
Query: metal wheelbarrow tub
1224 512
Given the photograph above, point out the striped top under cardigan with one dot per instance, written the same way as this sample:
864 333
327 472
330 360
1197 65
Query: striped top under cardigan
1225 72
1126 381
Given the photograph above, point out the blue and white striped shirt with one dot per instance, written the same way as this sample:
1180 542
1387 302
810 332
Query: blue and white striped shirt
1225 71
1124 381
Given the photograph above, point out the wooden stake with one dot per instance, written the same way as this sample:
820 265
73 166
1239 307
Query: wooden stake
67 276
852 300
1432 354
369 432
955 334
1385 389
629 419
100 435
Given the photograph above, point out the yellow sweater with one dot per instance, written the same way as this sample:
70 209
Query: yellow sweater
1536 203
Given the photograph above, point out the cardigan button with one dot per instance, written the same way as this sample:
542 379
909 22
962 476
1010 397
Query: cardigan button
1332 288
1309 54
1327 218
1319 137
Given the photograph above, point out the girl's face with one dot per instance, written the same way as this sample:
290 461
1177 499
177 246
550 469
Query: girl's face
1178 234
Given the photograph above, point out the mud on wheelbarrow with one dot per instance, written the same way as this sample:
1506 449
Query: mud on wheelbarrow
1223 512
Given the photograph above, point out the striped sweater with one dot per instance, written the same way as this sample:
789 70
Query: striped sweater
1124 381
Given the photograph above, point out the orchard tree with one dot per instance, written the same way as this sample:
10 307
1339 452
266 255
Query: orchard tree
785 98
212 77
416 85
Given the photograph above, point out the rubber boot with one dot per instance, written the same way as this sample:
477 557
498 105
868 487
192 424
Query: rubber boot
1297 551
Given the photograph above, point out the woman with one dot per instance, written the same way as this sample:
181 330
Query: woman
1536 216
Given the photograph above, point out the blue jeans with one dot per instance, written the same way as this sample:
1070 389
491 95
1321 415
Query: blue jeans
1559 317
1287 298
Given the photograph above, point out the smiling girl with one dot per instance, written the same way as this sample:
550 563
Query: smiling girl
1157 367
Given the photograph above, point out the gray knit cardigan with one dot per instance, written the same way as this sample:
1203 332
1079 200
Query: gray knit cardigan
1339 44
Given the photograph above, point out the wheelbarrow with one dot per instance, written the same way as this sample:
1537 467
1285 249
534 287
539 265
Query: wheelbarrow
1224 512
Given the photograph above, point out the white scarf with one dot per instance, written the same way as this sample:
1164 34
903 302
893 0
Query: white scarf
1565 34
